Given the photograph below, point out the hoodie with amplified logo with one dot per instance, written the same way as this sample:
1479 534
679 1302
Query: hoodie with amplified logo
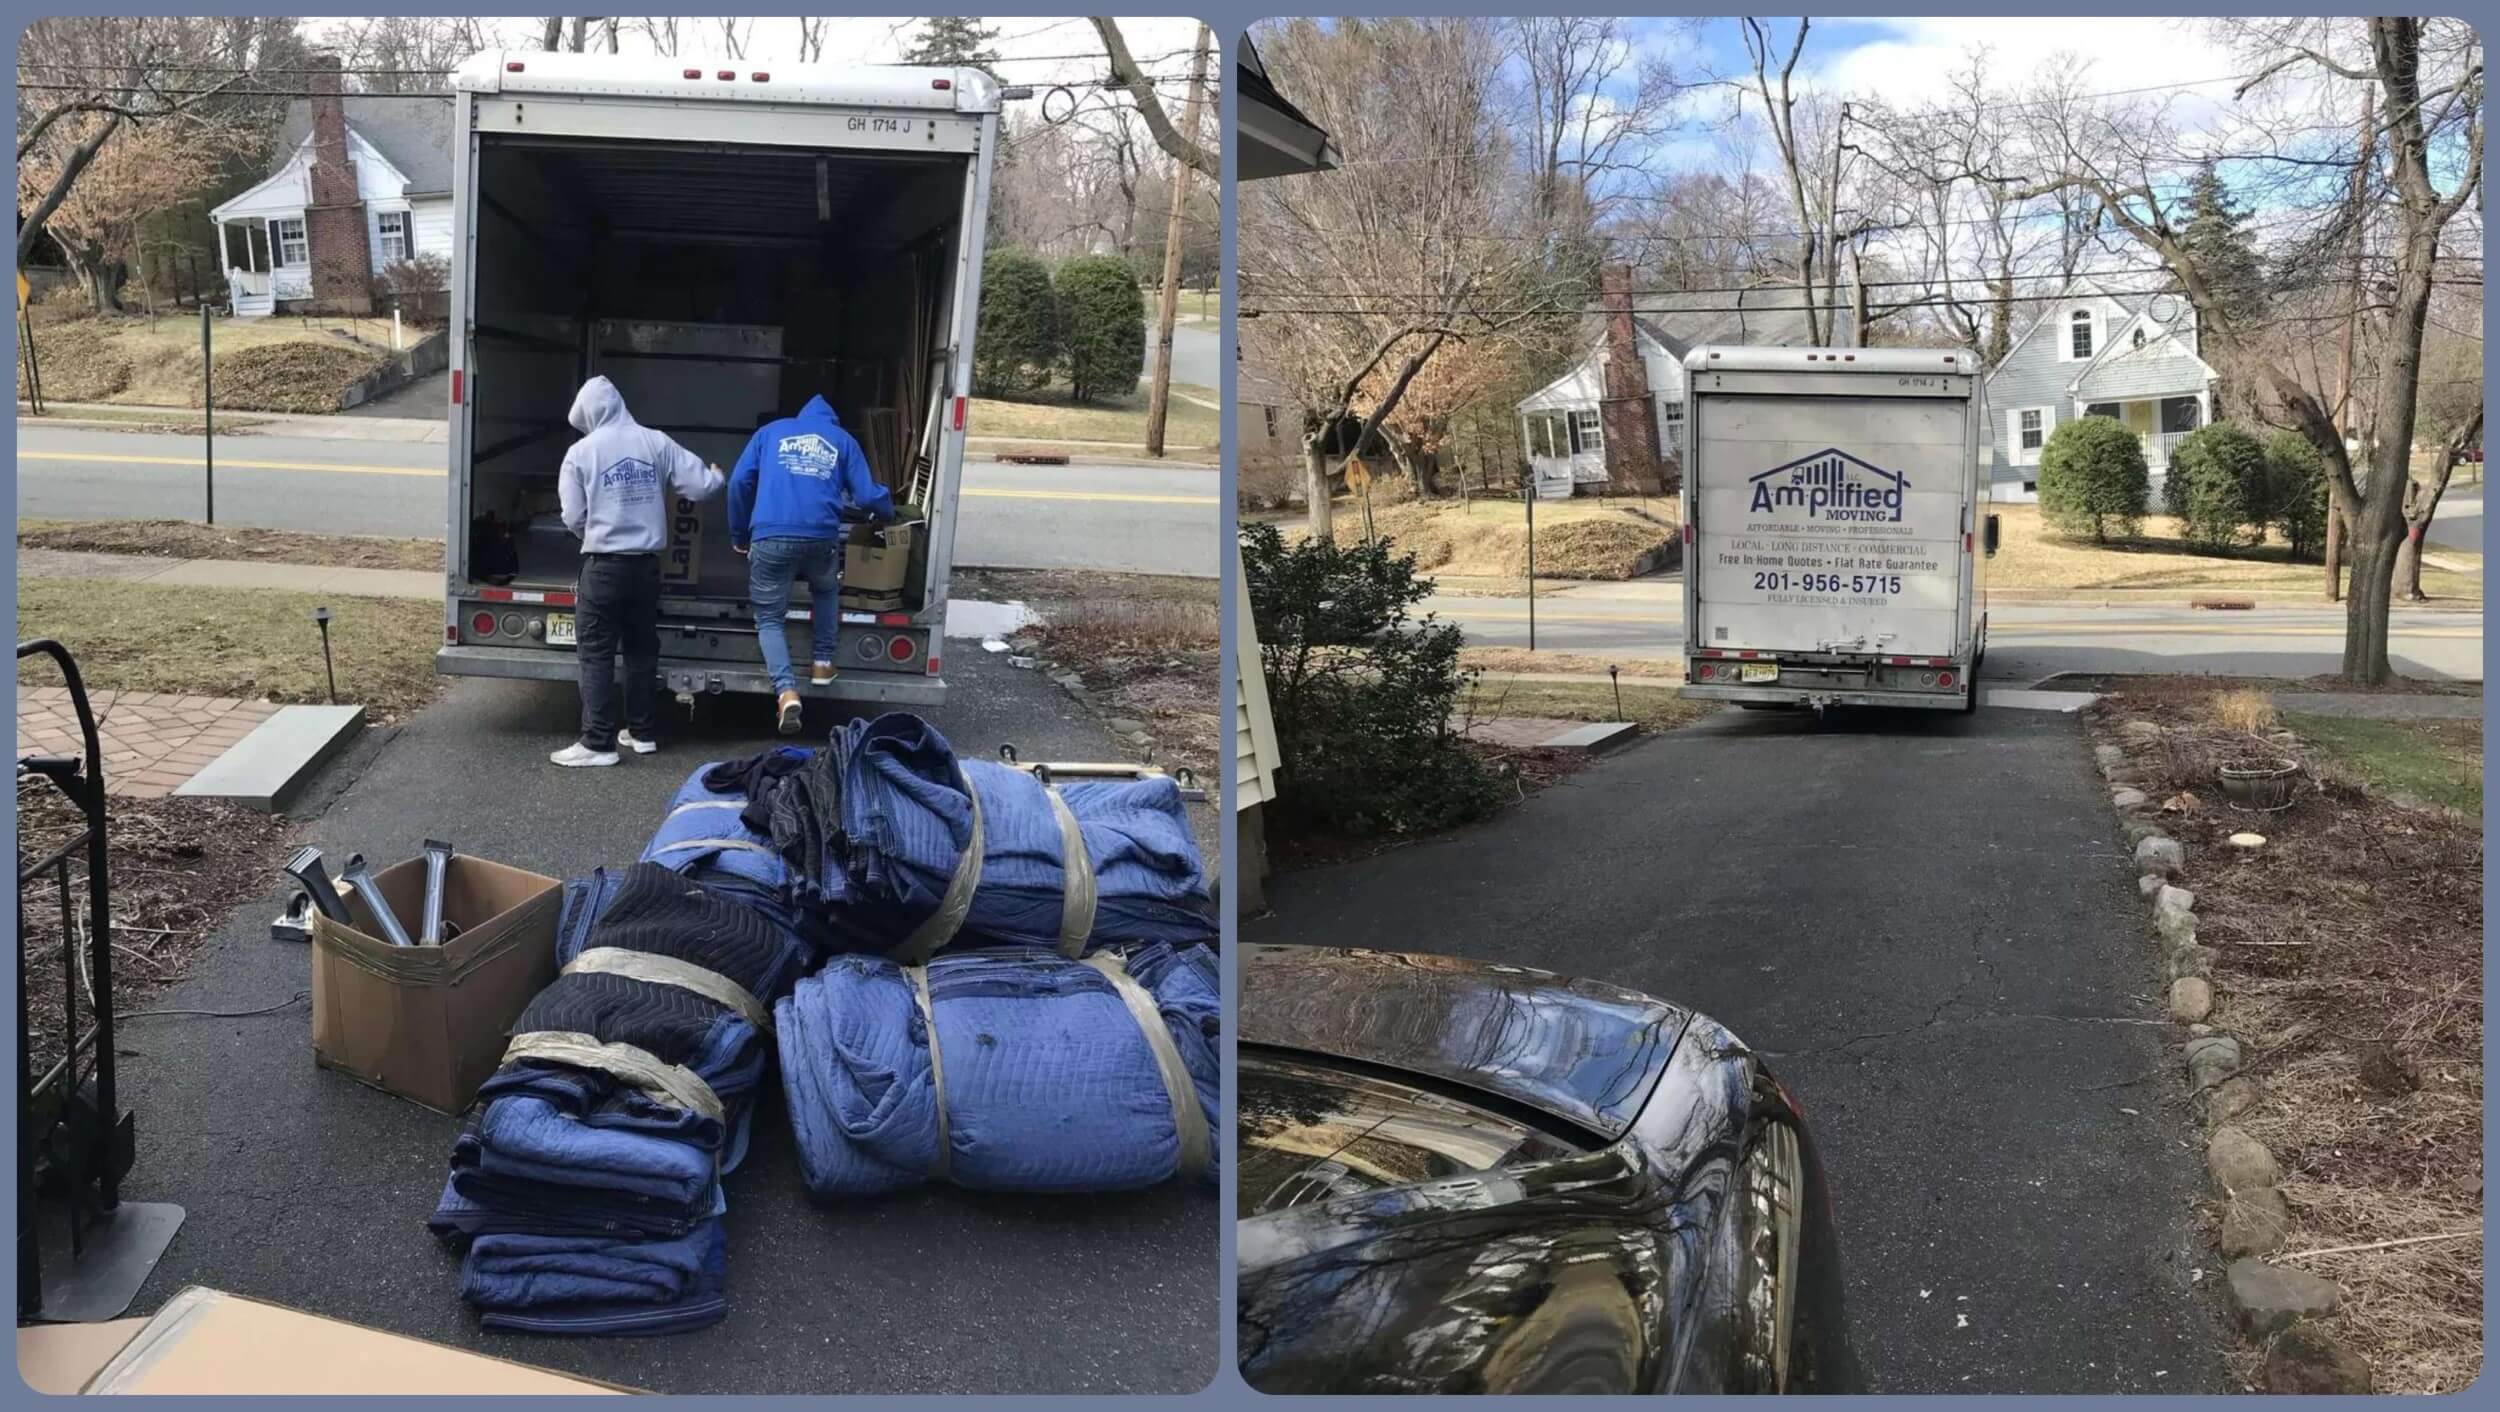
798 476
614 487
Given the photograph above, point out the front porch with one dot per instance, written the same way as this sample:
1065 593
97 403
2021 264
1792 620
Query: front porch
2159 423
1565 448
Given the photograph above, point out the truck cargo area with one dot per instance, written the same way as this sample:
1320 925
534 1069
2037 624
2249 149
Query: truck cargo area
719 286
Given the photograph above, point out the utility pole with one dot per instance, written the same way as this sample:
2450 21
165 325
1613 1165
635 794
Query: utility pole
1159 397
2358 212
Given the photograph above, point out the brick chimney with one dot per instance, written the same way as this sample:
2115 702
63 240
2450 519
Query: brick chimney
1625 408
334 217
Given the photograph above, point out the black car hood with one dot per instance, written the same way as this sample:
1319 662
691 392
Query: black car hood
1577 1050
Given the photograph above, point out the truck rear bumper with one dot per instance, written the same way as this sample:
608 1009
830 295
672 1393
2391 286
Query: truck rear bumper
688 676
1829 696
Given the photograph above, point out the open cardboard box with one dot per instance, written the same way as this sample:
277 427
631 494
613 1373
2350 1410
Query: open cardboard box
430 1023
207 1341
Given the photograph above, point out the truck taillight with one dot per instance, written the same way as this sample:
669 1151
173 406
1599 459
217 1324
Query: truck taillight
1944 679
451 632
959 413
455 387
933 664
483 625
693 73
941 84
902 648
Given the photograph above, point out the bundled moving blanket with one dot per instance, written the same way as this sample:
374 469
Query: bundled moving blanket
1004 1070
891 844
587 1194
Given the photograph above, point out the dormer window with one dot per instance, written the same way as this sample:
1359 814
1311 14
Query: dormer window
2139 339
2079 333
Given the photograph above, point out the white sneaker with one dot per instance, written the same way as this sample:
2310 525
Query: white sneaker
578 754
636 744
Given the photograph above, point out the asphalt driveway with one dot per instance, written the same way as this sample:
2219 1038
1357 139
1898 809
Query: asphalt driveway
304 1187
1927 921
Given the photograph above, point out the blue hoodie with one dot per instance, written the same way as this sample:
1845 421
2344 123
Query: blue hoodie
796 477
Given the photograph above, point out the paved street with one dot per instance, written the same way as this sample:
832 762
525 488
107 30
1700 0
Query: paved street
2026 641
1931 925
1132 519
306 1188
1195 353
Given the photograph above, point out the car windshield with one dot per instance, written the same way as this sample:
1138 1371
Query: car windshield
1311 1133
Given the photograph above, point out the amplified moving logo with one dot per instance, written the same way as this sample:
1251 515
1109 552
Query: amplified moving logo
1831 484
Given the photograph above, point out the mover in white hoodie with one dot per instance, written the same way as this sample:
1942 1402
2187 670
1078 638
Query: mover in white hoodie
615 488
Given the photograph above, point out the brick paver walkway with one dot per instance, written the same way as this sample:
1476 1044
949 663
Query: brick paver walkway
152 742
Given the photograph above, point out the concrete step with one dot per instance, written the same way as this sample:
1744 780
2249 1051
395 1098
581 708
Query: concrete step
1596 738
266 769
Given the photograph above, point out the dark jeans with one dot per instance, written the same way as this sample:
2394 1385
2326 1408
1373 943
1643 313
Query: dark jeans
619 606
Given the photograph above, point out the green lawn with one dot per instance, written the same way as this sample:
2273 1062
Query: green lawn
251 643
2435 762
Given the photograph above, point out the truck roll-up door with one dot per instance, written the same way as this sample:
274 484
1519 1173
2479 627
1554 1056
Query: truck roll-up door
1829 524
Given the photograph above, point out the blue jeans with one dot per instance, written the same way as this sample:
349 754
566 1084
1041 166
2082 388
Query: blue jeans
771 565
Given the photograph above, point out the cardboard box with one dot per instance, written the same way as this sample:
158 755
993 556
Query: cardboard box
207 1341
429 1023
873 574
58 1359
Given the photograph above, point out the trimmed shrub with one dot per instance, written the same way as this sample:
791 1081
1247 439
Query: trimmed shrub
1019 337
2093 481
1103 317
2217 487
1362 694
2296 474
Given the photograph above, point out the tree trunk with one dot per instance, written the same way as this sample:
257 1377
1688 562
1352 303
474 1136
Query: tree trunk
2334 541
1315 486
2365 608
2409 565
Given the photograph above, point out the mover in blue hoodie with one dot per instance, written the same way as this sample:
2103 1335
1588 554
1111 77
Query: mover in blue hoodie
788 495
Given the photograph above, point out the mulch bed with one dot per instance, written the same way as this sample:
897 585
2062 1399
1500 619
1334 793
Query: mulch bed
2349 963
176 867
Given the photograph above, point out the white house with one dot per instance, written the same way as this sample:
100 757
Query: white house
273 237
2095 354
1561 424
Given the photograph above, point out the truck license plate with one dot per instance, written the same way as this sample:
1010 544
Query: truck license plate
1750 671
560 630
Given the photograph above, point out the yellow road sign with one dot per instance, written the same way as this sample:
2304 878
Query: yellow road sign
1357 475
21 289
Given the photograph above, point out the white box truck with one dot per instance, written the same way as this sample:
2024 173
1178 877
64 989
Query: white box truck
723 241
1835 533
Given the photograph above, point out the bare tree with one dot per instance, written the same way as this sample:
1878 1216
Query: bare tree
1580 124
811 39
2129 168
1130 78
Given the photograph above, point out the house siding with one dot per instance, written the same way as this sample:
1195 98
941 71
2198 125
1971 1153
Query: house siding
2037 374
433 226
2158 369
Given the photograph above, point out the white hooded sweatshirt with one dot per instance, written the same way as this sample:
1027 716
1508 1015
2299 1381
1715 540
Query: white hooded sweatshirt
615 480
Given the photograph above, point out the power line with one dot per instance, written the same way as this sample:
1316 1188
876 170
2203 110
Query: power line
1389 294
1784 306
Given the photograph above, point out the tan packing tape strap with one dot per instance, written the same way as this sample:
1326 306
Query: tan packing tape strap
672 1084
1189 1121
919 978
940 926
671 970
739 843
1076 887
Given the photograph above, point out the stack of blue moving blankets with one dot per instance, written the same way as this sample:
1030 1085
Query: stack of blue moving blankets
1017 993
586 1198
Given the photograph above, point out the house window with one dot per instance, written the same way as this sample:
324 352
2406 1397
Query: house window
2031 487
392 228
2079 333
2031 428
2139 339
1585 437
1671 426
293 249
1270 414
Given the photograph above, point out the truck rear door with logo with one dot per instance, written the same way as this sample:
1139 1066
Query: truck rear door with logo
1829 523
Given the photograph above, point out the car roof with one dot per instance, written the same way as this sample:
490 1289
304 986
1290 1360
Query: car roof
1581 1051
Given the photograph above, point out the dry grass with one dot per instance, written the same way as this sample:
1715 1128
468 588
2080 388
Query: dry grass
2349 964
1049 416
1575 539
2030 558
2248 712
1649 705
138 361
1507 660
252 643
186 539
